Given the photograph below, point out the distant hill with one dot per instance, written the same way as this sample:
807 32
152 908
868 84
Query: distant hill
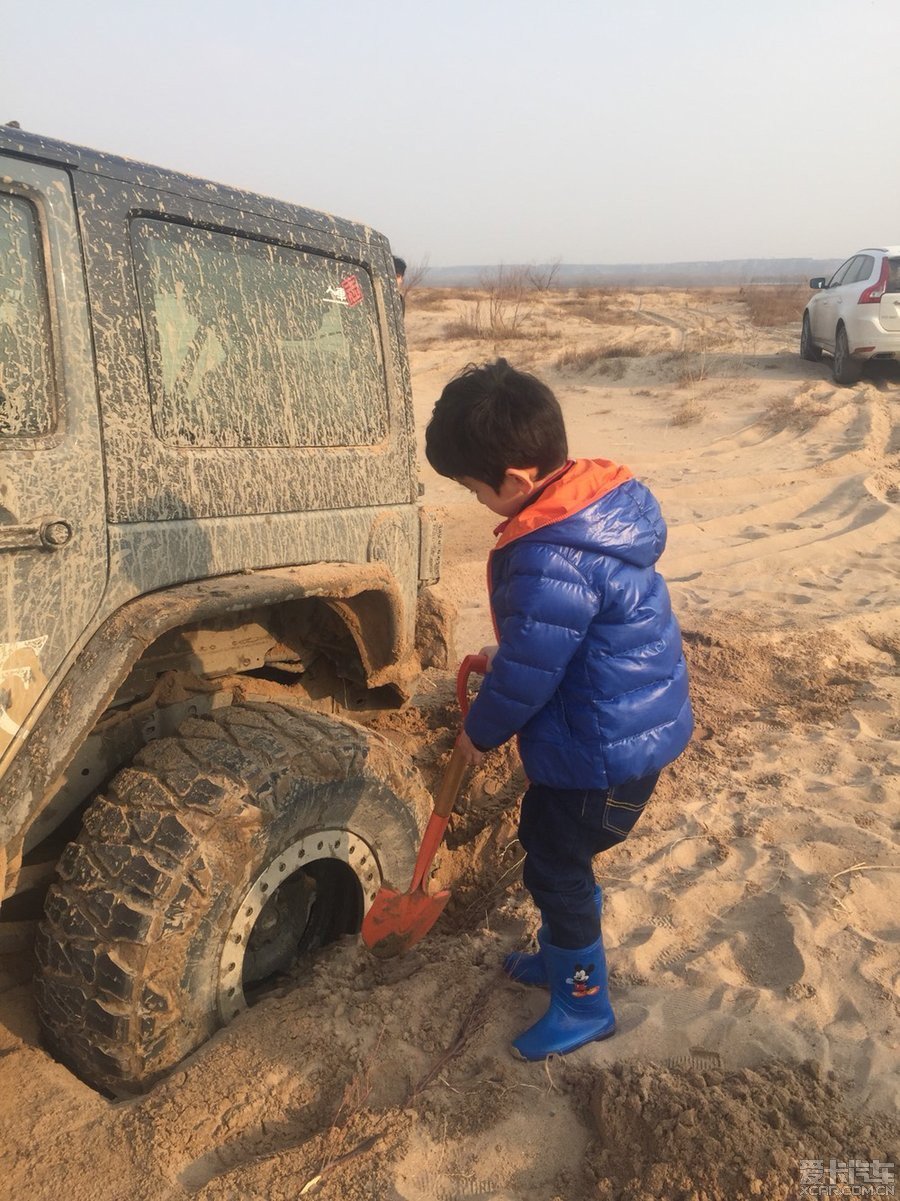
726 273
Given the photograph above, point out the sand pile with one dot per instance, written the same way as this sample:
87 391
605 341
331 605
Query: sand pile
697 1133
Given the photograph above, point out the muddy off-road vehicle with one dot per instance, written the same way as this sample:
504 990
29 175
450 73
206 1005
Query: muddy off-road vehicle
211 551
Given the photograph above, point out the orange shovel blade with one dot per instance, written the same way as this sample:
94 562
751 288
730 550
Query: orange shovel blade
398 920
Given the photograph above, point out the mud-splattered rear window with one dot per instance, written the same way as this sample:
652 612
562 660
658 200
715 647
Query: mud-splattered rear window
251 344
27 385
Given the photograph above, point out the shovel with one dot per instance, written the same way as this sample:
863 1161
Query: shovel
396 921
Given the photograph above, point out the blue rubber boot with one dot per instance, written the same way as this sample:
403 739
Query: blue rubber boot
579 1011
527 968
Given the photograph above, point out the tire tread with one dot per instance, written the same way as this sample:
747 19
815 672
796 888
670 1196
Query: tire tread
148 869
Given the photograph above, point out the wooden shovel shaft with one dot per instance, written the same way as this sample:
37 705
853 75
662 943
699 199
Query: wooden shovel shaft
451 781
440 815
397 920
450 784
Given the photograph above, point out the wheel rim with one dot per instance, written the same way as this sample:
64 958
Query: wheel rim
332 845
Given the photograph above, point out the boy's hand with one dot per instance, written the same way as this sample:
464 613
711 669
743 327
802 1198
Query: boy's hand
489 652
472 756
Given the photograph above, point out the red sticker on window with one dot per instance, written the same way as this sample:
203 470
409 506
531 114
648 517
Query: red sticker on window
352 290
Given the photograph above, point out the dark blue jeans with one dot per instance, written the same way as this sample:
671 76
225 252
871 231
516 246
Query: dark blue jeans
561 830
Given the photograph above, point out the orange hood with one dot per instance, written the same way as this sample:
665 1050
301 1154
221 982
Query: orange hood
585 481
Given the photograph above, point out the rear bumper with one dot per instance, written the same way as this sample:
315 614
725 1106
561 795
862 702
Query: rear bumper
869 339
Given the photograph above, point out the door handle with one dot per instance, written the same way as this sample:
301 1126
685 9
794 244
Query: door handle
51 534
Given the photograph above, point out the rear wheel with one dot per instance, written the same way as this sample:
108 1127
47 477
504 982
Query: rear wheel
845 369
808 348
214 863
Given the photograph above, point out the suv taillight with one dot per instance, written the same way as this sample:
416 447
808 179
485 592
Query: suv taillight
874 294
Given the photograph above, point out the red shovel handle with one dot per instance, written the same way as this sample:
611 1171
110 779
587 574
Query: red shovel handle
471 663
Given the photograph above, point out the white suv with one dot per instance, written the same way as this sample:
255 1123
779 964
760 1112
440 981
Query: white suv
855 315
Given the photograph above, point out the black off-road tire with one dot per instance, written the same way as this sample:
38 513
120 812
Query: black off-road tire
131 947
844 368
808 348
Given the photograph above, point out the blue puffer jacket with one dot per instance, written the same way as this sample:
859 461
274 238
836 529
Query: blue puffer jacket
589 672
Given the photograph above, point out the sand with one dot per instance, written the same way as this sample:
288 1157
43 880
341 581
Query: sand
750 920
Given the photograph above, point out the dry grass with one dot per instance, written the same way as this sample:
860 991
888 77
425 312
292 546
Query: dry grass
500 309
689 412
714 295
775 304
602 306
797 413
689 367
582 358
489 322
430 298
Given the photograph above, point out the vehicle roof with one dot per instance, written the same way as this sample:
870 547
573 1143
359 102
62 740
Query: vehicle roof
891 250
80 158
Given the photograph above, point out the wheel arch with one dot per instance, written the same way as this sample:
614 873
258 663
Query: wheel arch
364 598
846 368
810 349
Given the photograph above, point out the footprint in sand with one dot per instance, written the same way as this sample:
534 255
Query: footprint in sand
763 943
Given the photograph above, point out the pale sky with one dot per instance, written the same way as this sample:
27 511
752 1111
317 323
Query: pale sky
494 131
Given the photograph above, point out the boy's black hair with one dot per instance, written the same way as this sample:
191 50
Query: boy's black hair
491 418
399 266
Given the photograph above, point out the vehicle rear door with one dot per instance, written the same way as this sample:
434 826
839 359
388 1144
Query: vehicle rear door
241 366
53 554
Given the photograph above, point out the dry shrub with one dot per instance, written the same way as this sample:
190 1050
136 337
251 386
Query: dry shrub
715 296
693 372
488 322
797 413
690 366
500 309
542 276
689 412
602 306
464 328
612 368
580 359
429 298
542 331
775 304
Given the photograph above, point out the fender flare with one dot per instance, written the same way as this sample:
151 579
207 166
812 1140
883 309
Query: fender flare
364 595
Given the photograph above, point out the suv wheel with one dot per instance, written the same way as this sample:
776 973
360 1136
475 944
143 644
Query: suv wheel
219 858
844 368
808 348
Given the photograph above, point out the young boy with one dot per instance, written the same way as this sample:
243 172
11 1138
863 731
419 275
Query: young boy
588 670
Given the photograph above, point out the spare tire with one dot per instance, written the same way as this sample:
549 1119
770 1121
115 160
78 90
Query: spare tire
224 853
